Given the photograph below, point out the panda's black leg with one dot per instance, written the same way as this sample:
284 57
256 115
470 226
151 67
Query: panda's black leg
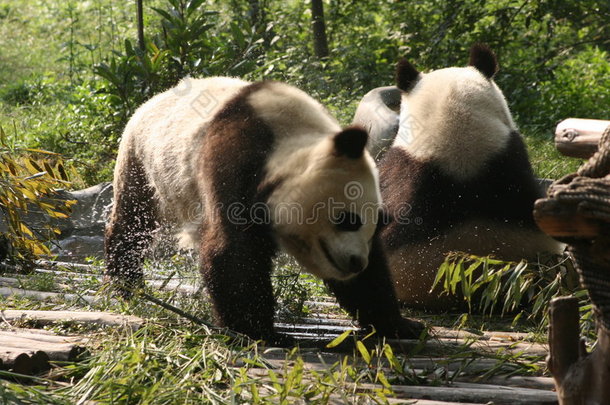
371 299
130 228
236 266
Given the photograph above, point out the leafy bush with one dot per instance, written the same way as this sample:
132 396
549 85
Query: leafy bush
579 88
28 180
188 41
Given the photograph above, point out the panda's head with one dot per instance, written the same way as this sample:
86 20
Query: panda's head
325 214
455 117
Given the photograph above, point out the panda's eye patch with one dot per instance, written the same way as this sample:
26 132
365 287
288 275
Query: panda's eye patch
348 221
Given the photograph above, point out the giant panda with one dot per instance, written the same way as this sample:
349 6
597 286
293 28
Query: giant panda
242 170
457 178
378 113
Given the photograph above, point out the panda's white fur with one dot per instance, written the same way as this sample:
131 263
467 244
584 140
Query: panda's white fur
455 117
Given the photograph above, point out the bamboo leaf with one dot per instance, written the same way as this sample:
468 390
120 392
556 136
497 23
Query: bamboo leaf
363 352
44 152
339 339
32 166
2 137
384 381
62 172
24 229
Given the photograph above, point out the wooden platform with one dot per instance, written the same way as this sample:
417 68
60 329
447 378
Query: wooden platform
451 366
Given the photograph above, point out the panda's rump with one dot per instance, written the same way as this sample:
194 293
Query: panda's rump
172 161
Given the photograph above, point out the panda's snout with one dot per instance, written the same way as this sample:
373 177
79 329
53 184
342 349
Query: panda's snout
356 264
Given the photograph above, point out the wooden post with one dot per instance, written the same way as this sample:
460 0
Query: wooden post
564 342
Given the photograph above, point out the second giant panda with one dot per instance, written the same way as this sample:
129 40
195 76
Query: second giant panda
244 169
457 177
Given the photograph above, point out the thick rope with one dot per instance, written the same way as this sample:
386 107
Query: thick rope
599 164
589 191
594 271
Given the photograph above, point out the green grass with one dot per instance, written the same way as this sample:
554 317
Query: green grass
546 161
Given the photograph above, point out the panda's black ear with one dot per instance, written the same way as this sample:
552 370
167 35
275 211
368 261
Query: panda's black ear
484 59
350 142
406 75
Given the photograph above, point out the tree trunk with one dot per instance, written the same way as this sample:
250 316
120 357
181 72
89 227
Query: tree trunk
140 17
320 44
256 14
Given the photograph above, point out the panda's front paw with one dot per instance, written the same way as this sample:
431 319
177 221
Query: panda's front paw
279 340
404 328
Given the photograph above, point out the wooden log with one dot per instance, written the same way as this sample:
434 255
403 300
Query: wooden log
540 383
561 220
444 346
316 360
578 137
51 264
97 318
47 296
580 378
454 393
30 351
40 335
54 350
564 336
427 402
16 361
27 362
166 285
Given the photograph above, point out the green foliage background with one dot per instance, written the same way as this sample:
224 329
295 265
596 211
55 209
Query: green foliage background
71 72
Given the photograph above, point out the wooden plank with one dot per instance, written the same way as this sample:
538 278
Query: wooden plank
87 317
578 137
541 383
477 393
453 393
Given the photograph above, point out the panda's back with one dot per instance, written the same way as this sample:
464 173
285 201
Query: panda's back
166 134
